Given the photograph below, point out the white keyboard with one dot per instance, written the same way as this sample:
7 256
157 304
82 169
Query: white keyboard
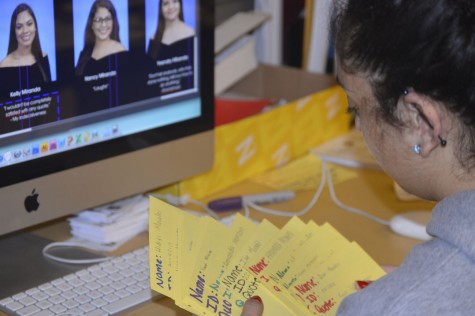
106 288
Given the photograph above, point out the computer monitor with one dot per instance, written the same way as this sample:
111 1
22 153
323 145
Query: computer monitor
100 100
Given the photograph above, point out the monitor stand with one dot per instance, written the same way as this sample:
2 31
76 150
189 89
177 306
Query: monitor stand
23 266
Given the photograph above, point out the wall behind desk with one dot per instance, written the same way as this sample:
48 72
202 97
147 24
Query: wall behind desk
227 8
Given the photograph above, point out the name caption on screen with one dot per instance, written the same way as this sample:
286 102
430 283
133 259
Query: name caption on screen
100 75
18 93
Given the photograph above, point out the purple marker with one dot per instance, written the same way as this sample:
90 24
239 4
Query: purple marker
238 202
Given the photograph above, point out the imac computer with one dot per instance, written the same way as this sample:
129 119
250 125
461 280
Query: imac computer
100 100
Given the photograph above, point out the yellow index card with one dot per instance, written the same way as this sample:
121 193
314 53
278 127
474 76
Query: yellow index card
258 263
235 283
302 174
213 249
190 236
160 232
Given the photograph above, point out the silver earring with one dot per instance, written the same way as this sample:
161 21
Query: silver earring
417 149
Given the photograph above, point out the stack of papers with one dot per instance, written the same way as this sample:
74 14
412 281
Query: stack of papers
211 269
113 223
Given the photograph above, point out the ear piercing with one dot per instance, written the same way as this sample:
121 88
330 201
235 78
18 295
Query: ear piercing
417 149
443 142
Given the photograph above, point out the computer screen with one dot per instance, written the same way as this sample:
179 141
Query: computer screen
100 100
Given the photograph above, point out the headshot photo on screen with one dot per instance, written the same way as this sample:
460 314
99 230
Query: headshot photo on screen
170 35
101 41
102 30
27 40
28 91
170 23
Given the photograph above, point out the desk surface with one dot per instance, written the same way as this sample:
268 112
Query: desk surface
371 191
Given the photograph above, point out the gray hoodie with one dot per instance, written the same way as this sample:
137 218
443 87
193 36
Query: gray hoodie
436 278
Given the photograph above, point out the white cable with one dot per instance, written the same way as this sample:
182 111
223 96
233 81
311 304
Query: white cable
343 206
325 178
315 198
205 207
171 199
70 261
326 175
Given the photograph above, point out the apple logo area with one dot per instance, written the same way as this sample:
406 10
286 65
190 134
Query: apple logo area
31 202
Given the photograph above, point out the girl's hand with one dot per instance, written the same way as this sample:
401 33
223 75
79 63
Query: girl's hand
253 307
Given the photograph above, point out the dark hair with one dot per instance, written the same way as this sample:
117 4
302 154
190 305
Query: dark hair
157 38
427 45
90 38
35 45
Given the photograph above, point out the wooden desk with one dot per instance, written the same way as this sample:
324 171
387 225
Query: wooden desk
372 191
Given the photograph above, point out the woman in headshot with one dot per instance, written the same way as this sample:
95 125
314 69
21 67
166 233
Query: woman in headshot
24 49
408 69
101 37
171 27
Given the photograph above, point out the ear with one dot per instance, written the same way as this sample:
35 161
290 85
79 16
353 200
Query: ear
424 120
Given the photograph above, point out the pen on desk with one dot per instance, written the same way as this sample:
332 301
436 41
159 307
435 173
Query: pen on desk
237 202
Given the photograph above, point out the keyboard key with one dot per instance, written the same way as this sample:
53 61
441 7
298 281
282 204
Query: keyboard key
52 291
97 312
106 290
19 296
111 298
69 294
99 302
58 309
28 310
58 282
14 306
32 291
122 293
40 296
44 304
104 281
45 312
98 273
94 294
87 307
134 289
87 278
93 285
81 290
27 301
75 282
70 304
73 311
129 281
57 299
128 302
82 299
45 286
6 301
118 285
64 287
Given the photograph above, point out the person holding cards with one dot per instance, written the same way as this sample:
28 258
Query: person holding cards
408 70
